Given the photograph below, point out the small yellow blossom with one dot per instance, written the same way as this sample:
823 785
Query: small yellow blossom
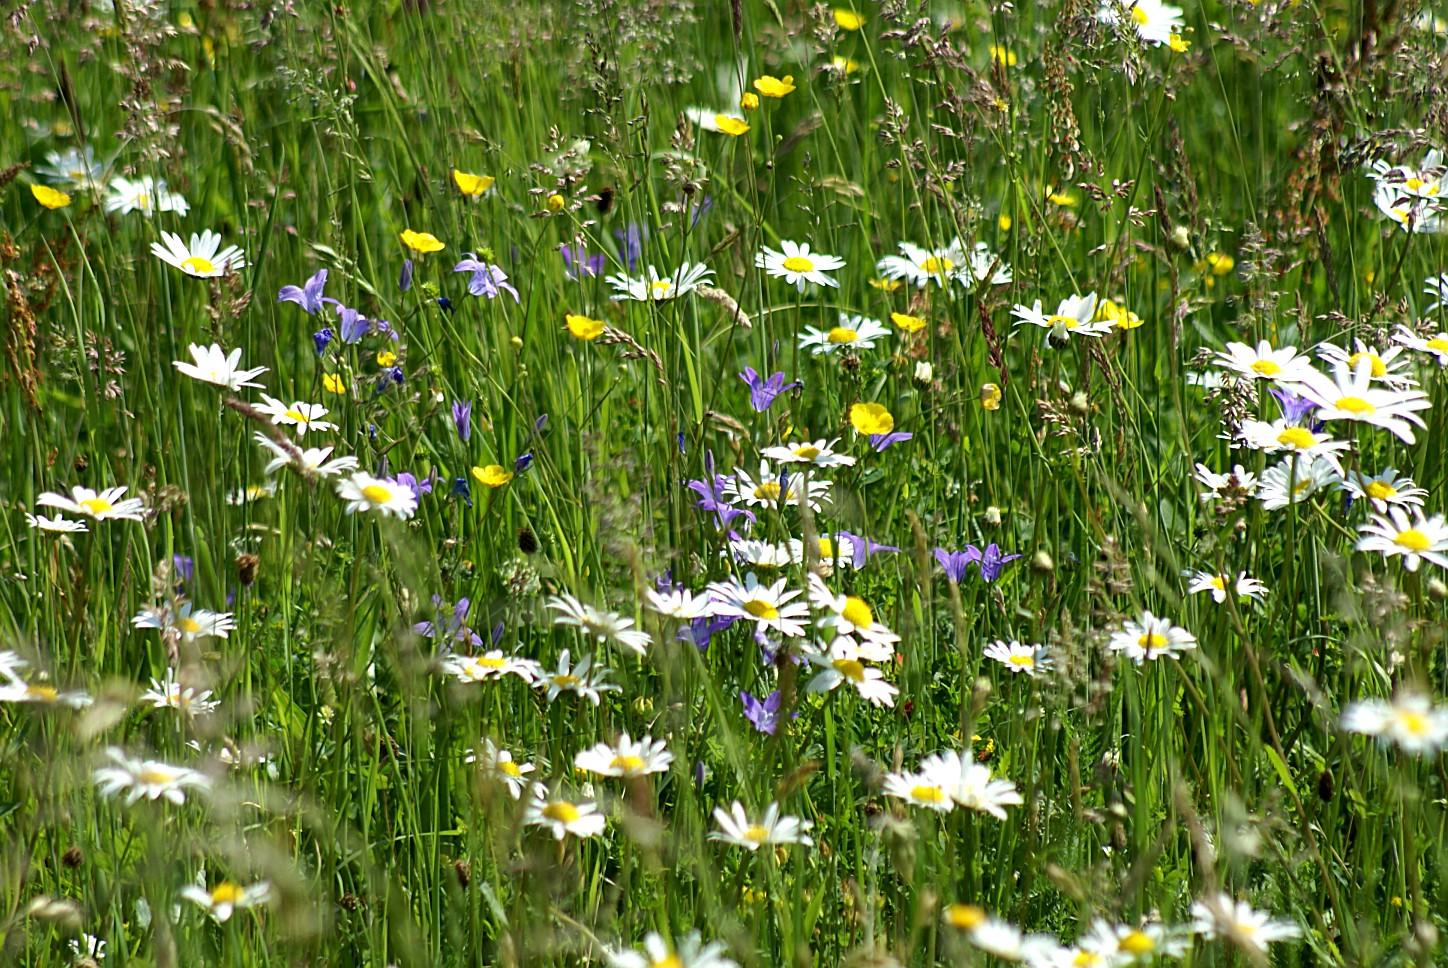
749 100
848 19
1118 316
733 127
1178 44
584 328
990 396
774 86
386 358
49 197
887 285
871 418
1064 199
333 383
999 55
471 184
1220 263
1004 222
493 475
423 242
845 65
556 202
910 324
966 917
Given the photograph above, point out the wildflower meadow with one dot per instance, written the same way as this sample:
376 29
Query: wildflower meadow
723 483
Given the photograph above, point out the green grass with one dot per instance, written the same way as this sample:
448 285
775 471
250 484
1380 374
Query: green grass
313 134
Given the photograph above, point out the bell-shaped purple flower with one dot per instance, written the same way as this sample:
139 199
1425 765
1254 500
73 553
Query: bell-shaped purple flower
308 295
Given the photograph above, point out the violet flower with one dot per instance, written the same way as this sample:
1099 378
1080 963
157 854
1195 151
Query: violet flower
321 338
992 561
353 324
712 500
880 442
308 295
862 548
1295 409
632 241
763 715
404 282
579 265
487 279
956 562
700 630
454 629
462 414
762 393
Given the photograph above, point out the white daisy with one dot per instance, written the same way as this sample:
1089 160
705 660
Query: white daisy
186 621
847 614
146 195
853 333
1389 367
201 258
598 624
303 416
168 693
1219 916
226 898
214 365
679 604
970 784
491 665
1417 540
769 607
797 266
150 779
1412 213
1280 435
43 694
736 828
1151 638
1244 587
773 490
841 663
919 789
500 765
1238 479
922 266
1284 366
1437 286
579 678
363 492
819 453
1410 720
74 168
58 524
689 953
104 505
1384 489
626 758
1154 22
562 817
761 554
309 461
1019 657
1293 480
656 288
1437 344
1075 315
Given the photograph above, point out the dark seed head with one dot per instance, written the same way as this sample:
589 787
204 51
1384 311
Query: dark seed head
72 858
527 541
1325 788
246 568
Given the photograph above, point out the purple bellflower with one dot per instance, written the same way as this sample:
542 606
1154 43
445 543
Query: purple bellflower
308 295
487 280
762 393
763 714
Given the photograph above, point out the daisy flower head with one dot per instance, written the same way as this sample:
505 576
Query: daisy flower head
1238 482
690 952
773 490
656 288
1154 22
42 694
106 505
1388 367
562 817
1000 938
853 333
755 554
146 195
1075 315
74 168
842 663
579 678
1150 638
679 604
1244 587
1218 916
820 453
847 614
770 607
1282 366
797 266
919 789
1421 539
1384 489
203 257
59 524
309 462
1149 941
922 266
148 779
1410 720
983 264
499 764
736 828
1295 479
626 758
970 784
599 624
387 497
1412 213
491 665
1279 435
1436 345
303 416
212 364
1018 657
226 897
185 620
169 693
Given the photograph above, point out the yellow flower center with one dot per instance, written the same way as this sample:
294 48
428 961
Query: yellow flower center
927 794
768 491
857 613
851 669
937 265
807 452
1378 367
756 834
1379 491
1299 438
563 682
1086 959
964 916
95 506
189 625
662 287
827 549
376 494
561 811
1266 368
153 778
1356 405
842 334
198 264
1138 943
226 893
668 961
798 263
1018 659
1219 583
1140 16
628 764
298 416
509 768
1070 322
43 693
1413 540
1413 722
759 608
492 662
1151 641
1437 344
